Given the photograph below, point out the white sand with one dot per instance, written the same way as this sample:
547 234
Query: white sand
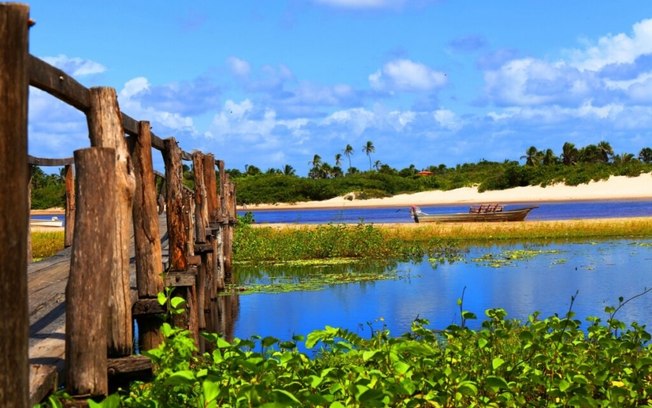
616 188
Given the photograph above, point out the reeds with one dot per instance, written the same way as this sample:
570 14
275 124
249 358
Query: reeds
46 243
528 230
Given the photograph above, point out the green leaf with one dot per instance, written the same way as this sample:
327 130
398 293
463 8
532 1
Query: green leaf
211 390
401 367
497 362
482 342
221 343
177 302
285 397
496 382
181 377
269 341
161 298
564 385
337 404
468 388
369 354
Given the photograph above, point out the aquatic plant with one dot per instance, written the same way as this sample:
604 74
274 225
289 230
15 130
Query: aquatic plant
46 244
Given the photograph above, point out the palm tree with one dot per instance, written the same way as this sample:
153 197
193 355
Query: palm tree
569 154
288 170
377 164
369 148
606 150
338 159
532 156
348 151
549 158
645 155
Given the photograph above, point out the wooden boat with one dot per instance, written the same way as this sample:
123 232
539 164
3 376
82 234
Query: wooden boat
478 213
53 222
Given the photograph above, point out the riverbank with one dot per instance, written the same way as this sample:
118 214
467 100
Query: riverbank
615 188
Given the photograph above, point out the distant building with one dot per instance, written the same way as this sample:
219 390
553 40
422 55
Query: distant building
424 173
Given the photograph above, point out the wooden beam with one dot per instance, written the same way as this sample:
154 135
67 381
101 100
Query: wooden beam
14 210
58 84
39 161
70 206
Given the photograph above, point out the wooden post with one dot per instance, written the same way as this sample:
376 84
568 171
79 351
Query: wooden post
105 128
91 263
149 264
210 181
221 276
177 234
230 215
14 211
70 205
30 175
201 226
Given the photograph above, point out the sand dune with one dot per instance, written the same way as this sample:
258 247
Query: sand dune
616 188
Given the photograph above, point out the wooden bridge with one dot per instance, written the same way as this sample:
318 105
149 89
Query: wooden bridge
75 312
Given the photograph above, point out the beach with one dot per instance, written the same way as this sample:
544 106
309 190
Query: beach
615 188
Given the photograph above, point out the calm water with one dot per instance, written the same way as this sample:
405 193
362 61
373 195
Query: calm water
600 271
546 211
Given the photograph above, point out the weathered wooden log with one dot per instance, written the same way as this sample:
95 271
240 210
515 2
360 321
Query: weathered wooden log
177 234
201 198
149 266
149 263
211 259
210 181
201 226
30 175
91 264
70 205
230 215
14 210
105 129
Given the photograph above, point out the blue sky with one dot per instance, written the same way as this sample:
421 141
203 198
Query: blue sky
274 82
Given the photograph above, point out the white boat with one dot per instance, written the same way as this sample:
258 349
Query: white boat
53 222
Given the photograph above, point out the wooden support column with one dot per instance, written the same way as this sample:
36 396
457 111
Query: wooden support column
105 128
177 234
201 236
70 205
221 276
149 263
230 215
91 265
14 210
30 174
210 180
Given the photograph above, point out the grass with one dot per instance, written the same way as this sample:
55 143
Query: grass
522 231
45 244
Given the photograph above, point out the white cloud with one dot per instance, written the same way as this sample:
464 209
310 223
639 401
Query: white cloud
238 66
131 101
615 49
406 75
447 119
75 67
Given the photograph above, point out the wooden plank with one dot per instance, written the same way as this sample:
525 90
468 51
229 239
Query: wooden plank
130 364
91 264
147 307
181 278
105 129
58 84
14 222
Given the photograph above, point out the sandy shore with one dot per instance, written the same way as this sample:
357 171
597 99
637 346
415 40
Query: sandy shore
616 188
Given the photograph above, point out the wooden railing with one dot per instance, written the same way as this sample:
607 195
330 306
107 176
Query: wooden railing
114 191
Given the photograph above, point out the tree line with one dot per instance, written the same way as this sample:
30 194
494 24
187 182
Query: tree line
575 165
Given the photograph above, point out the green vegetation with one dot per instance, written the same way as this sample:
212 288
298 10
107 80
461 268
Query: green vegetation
551 362
573 167
48 190
262 244
46 244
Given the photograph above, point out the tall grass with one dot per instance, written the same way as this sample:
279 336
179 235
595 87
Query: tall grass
292 242
46 244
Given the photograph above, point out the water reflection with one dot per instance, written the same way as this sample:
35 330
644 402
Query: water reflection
545 282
